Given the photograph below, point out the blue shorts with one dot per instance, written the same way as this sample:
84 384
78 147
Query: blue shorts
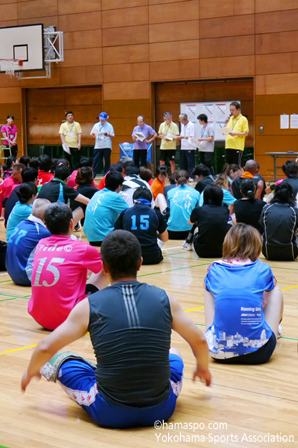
78 380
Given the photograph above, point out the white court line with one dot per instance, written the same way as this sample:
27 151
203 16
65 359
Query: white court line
170 248
4 273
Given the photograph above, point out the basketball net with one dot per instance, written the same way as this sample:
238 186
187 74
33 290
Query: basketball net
9 66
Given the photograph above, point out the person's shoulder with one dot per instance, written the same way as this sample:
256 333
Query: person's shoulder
244 119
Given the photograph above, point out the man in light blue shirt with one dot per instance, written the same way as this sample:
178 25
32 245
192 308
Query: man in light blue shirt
103 133
103 209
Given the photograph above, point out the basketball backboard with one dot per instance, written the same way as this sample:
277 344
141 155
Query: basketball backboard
24 43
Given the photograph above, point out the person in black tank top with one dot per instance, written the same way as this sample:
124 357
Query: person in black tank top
137 377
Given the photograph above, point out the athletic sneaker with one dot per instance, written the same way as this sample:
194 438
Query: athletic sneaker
160 243
279 331
77 227
186 245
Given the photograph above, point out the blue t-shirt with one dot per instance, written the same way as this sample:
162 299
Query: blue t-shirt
20 250
182 200
18 214
227 200
101 214
239 325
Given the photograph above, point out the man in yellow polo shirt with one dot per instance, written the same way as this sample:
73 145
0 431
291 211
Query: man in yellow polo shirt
235 140
70 132
168 145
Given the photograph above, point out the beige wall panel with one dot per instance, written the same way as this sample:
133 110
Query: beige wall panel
125 35
175 31
182 50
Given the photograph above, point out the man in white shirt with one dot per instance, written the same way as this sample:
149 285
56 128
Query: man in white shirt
103 133
187 152
206 147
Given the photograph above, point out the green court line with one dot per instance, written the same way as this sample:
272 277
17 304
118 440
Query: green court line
11 297
6 281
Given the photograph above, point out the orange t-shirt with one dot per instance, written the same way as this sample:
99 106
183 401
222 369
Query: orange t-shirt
157 187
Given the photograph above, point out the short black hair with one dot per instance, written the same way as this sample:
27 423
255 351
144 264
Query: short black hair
9 161
213 195
85 161
131 169
57 217
284 194
68 112
290 168
201 170
116 167
203 117
233 167
25 160
10 116
62 171
113 180
29 174
121 254
142 192
236 104
173 178
26 191
44 162
34 163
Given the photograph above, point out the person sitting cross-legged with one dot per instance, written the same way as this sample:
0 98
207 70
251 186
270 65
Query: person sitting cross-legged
243 306
22 243
137 377
146 224
59 271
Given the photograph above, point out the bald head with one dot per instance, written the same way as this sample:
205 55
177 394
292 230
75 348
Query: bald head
251 166
39 207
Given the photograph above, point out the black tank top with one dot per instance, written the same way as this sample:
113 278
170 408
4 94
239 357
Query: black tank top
130 329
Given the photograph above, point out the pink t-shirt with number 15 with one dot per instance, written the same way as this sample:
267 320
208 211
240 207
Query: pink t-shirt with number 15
59 275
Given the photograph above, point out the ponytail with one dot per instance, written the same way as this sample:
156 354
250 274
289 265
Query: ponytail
248 189
182 177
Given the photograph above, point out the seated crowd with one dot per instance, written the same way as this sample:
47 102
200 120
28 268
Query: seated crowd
130 216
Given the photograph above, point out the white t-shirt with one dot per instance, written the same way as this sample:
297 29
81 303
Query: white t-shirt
187 130
102 141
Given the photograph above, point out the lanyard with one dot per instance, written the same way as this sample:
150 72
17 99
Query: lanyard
236 121
70 128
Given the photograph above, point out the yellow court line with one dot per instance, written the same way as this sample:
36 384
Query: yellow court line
17 349
289 287
194 309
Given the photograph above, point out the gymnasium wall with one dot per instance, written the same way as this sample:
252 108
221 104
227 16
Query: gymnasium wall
128 45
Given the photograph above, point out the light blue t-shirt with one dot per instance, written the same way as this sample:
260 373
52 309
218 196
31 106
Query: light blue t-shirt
228 199
182 200
101 214
18 214
239 325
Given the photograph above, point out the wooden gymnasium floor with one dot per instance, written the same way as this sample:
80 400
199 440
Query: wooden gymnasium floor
248 400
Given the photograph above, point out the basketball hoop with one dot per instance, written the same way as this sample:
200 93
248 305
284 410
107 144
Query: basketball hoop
9 66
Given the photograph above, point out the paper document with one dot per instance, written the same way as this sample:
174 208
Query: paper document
194 141
66 148
140 136
284 121
294 121
170 137
225 130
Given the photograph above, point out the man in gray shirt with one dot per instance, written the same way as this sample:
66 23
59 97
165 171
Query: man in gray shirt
206 140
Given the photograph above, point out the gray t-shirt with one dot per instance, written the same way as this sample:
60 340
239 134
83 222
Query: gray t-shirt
206 132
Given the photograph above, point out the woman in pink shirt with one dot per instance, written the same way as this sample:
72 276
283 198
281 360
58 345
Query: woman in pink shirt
9 134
